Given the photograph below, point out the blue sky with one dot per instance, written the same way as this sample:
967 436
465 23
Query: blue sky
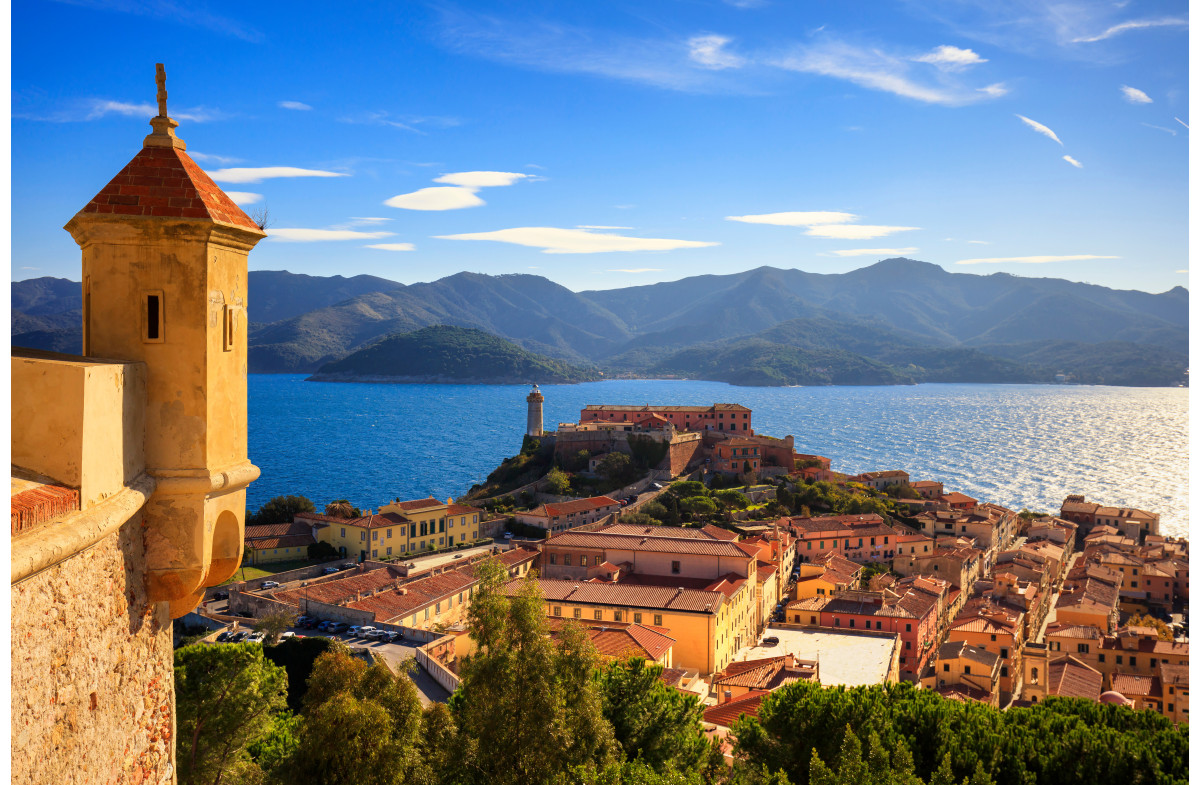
612 144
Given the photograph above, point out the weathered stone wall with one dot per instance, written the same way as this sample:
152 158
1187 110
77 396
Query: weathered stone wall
92 684
682 455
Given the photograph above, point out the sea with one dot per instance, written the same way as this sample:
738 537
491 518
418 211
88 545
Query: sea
1022 446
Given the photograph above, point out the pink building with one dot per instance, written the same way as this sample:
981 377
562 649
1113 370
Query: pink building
718 417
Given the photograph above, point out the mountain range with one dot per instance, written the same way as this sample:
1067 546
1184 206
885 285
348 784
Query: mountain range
896 321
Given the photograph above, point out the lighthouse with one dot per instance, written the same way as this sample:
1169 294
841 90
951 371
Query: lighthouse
534 399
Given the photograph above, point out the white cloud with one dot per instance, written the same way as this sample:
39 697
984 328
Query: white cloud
875 252
1136 24
1170 131
1182 272
367 221
1135 96
480 179
244 197
217 159
637 270
354 223
1041 129
1072 162
1033 259
709 51
795 219
99 107
592 226
979 242
322 235
951 58
555 240
393 246
294 105
856 231
875 69
260 173
436 198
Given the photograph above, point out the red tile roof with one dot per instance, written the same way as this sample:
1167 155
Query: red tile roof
635 542
726 713
557 509
163 182
1074 679
621 639
628 596
41 504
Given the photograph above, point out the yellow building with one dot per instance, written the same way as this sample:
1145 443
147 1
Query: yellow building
709 627
398 529
129 470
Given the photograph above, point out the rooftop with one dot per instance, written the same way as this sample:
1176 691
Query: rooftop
843 657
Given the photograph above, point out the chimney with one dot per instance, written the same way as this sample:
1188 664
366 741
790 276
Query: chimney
727 696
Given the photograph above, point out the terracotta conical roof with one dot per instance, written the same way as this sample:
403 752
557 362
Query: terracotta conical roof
164 182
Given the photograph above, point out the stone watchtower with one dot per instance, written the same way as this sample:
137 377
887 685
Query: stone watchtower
165 283
534 399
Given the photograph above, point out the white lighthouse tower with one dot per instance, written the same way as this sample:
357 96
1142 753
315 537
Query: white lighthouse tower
535 398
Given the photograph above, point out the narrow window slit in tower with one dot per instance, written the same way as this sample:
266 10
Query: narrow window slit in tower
154 317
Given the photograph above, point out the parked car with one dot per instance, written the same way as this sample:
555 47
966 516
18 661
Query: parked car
633 497
508 535
311 624
770 640
289 634
623 502
256 637
239 636
221 595
392 637
348 565
225 636
329 571
338 627
269 585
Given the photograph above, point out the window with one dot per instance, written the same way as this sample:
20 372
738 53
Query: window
152 317
375 535
1132 661
879 625
583 560
1118 659
908 628
946 667
1101 656
637 618
967 669
343 531
598 615
658 623
412 531
228 321
1004 653
1004 671
389 534
810 545
567 559
424 530
389 551
578 612
852 622
616 615
907 644
442 525
439 608
441 540
554 558
674 568
362 536
558 610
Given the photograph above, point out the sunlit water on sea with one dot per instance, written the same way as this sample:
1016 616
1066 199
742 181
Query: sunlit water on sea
1017 445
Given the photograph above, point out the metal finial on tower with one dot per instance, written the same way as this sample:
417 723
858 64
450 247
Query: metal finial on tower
164 127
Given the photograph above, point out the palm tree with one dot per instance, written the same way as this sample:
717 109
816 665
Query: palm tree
340 508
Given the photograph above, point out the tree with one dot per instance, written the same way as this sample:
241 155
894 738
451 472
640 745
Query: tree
342 508
731 498
361 724
615 467
225 700
655 509
1163 629
275 624
322 551
698 505
530 706
281 509
558 482
651 721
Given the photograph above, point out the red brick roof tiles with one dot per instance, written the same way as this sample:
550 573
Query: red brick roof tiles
557 509
635 542
163 182
629 596
726 713
41 504
1071 678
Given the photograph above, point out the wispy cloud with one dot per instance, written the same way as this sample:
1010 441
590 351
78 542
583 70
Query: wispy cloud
795 218
1185 125
1183 272
446 197
1134 95
414 123
875 252
1134 24
244 197
97 108
1170 131
393 246
875 69
460 191
636 270
556 240
191 14
951 58
354 223
322 235
480 179
1041 129
259 173
978 242
1034 259
216 159
1072 162
856 231
709 51
294 105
